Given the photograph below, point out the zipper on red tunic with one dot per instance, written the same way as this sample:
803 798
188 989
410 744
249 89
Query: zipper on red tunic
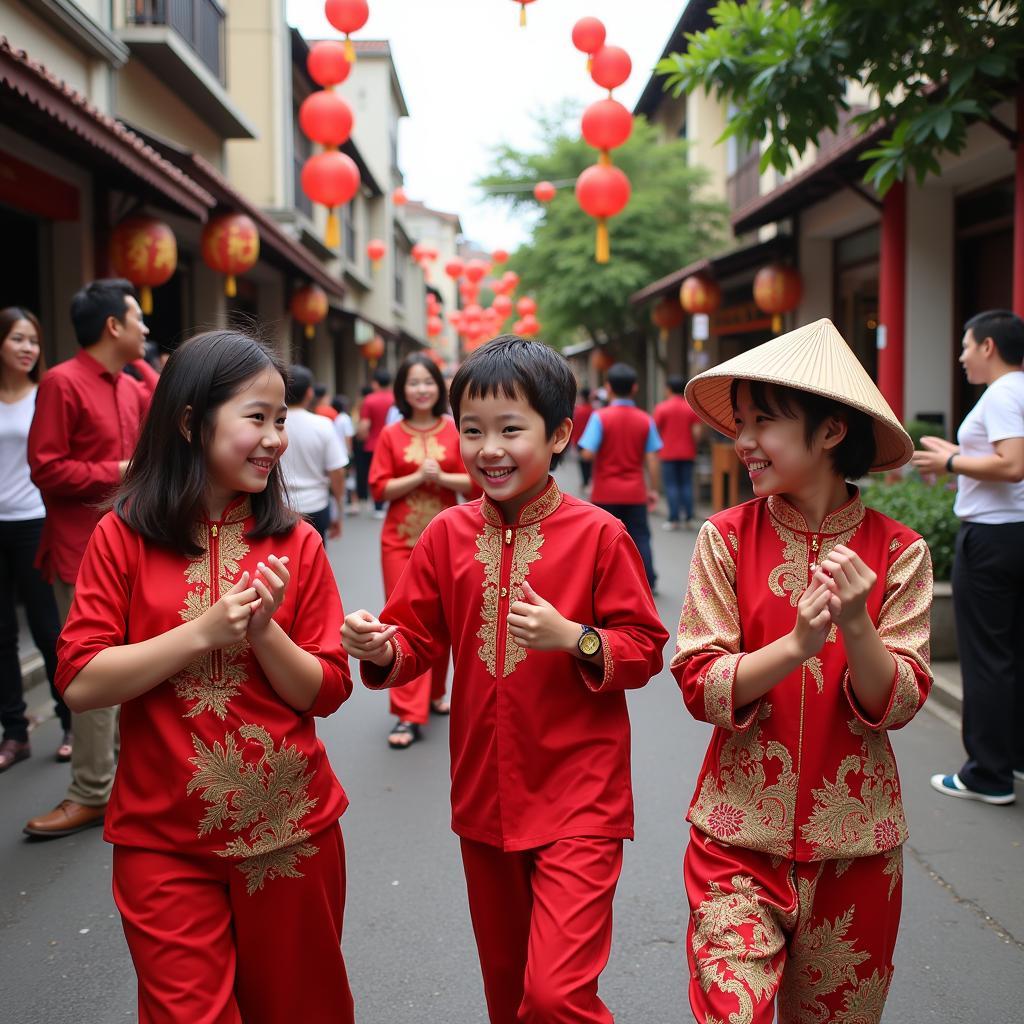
216 657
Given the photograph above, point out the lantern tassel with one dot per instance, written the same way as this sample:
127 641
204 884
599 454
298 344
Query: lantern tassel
146 299
310 331
350 50
602 249
777 324
605 159
230 286
590 63
332 236
522 15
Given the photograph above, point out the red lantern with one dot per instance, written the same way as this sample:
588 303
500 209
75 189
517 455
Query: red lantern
522 10
435 325
373 350
347 16
610 67
499 256
543 191
529 325
454 268
326 118
468 291
144 251
777 290
376 250
700 294
331 179
455 318
398 197
510 279
588 37
602 191
667 315
231 245
601 360
309 307
502 305
606 124
476 270
418 252
526 306
327 64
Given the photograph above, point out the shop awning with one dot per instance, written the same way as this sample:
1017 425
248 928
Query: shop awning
34 99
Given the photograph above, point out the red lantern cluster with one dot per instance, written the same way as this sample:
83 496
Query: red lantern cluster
231 246
309 307
475 323
144 251
777 290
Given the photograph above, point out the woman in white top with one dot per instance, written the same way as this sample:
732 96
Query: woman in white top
988 570
21 522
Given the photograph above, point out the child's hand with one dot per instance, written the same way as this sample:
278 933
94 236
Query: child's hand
366 638
850 580
813 618
431 471
226 621
537 625
269 582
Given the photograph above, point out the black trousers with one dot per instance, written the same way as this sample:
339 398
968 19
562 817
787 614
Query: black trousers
362 459
988 601
19 541
634 519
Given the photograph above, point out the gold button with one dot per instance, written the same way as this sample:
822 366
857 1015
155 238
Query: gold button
504 591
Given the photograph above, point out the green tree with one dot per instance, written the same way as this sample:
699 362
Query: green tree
668 223
929 66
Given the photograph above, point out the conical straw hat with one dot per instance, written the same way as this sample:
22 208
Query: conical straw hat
812 358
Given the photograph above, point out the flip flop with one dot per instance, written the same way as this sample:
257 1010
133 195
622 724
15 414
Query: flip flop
402 729
440 707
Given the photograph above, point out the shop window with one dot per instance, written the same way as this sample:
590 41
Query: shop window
855 260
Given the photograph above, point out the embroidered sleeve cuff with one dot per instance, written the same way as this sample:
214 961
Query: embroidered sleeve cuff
375 677
596 676
719 687
904 701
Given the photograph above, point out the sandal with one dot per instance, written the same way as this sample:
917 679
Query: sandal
13 751
397 737
440 706
64 750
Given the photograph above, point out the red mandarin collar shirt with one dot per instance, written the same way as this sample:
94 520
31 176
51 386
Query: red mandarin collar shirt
212 760
87 420
539 740
804 772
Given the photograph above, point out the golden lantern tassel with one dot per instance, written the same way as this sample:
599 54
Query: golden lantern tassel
350 50
332 236
777 324
230 286
602 249
310 331
146 299
605 159
522 15
590 63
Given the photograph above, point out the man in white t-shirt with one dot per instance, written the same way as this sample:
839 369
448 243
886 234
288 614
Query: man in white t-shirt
988 570
313 464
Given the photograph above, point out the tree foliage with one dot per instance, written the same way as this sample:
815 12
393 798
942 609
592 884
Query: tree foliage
928 67
668 223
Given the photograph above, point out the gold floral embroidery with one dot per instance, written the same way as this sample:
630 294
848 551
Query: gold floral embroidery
423 506
533 512
488 551
893 868
214 678
814 667
420 448
895 544
734 542
719 680
529 541
864 1003
739 805
268 797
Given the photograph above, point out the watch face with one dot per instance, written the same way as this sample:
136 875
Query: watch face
590 643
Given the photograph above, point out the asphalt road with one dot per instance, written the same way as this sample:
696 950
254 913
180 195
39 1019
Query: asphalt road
408 944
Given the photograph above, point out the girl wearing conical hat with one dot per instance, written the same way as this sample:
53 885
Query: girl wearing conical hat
803 639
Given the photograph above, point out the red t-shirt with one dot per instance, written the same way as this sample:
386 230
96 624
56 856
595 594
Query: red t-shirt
675 420
619 464
375 409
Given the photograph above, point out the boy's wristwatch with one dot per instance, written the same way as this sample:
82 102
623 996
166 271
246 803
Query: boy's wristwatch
589 642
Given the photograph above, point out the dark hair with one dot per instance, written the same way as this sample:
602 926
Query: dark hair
298 383
676 384
419 359
164 490
853 456
585 393
516 368
339 403
94 304
8 318
621 379
1006 329
319 390
382 376
365 390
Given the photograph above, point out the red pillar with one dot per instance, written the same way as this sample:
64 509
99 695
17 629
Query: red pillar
892 289
1018 214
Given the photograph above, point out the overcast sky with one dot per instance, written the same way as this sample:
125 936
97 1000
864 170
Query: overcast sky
472 78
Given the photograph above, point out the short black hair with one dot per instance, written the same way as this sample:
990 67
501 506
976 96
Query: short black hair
585 393
92 305
676 384
853 457
517 368
319 390
164 490
1006 329
339 403
419 359
365 390
622 379
382 376
298 382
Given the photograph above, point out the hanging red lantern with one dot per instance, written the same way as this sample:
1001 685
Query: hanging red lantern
331 179
435 325
418 252
398 197
502 305
309 307
231 245
510 279
777 290
347 16
376 250
667 315
477 270
468 291
700 294
455 318
607 124
601 360
436 358
602 191
588 36
611 67
145 251
326 118
526 306
373 350
499 256
543 191
454 268
327 64
522 11
529 325
433 306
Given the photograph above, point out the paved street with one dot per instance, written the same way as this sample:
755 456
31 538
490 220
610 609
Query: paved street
408 944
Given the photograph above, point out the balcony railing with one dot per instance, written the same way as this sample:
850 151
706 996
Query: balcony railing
199 22
745 184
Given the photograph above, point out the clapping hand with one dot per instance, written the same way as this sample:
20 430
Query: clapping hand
849 580
431 471
814 617
365 637
270 582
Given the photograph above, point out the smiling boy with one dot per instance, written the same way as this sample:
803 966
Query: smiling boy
544 600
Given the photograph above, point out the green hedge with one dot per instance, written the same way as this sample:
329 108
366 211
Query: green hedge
926 509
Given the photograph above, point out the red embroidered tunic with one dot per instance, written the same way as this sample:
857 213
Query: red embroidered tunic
401 450
539 740
212 760
803 772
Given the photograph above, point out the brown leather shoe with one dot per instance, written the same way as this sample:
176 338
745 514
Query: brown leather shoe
65 819
13 751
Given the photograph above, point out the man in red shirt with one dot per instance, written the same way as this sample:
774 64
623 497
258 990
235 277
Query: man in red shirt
87 421
679 427
373 417
581 414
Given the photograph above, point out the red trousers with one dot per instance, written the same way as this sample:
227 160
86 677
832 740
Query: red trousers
819 936
207 952
543 925
411 703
